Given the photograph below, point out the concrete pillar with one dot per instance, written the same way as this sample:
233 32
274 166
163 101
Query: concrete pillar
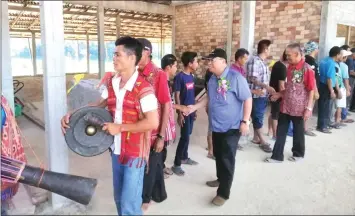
7 87
34 54
101 37
328 31
118 26
248 25
54 88
87 52
348 35
229 31
173 33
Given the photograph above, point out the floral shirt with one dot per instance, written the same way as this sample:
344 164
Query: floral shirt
300 80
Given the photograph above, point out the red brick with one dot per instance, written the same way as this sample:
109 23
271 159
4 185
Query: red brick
298 6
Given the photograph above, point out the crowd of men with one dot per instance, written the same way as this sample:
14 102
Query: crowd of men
142 104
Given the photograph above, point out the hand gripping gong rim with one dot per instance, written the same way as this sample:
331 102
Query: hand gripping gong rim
77 137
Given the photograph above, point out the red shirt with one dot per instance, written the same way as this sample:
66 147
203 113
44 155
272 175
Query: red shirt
159 80
308 77
238 69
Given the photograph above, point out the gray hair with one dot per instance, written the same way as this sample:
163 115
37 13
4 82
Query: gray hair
295 46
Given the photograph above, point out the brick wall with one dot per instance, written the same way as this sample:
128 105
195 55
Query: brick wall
202 27
283 22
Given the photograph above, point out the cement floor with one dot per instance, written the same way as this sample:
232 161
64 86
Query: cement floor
322 183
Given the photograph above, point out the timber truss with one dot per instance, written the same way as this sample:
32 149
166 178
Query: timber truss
81 20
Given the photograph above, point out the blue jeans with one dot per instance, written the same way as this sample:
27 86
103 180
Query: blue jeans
258 111
183 145
344 113
290 129
127 186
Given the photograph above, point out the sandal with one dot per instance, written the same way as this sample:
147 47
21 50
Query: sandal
178 171
189 161
335 125
348 121
324 130
265 147
211 157
270 160
240 148
255 142
295 159
309 133
168 171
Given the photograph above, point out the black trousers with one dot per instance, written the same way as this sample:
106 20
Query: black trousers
323 106
165 153
225 149
351 99
154 184
298 148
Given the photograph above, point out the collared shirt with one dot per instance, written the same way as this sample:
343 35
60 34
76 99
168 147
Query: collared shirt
148 103
256 67
159 80
239 69
225 113
327 70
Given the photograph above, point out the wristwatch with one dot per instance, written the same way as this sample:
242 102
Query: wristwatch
247 122
160 136
308 108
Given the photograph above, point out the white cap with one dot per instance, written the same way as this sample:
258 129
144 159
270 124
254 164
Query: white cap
345 53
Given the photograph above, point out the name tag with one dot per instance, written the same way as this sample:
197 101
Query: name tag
189 86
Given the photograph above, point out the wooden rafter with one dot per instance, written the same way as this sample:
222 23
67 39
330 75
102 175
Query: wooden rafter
80 19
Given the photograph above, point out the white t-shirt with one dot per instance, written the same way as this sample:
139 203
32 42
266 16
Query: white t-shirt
148 103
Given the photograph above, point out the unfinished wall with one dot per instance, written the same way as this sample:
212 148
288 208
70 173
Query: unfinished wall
284 22
202 27
352 37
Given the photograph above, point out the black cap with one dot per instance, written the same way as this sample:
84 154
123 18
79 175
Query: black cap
218 52
147 45
352 50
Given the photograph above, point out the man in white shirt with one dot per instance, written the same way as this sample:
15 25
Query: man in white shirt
133 105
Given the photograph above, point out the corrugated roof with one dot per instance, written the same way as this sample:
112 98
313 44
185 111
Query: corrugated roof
80 20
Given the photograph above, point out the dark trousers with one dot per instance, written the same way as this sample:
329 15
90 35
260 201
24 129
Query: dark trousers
154 184
351 98
298 148
225 149
183 146
323 106
164 153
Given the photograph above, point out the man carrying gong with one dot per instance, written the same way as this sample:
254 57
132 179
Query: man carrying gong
132 103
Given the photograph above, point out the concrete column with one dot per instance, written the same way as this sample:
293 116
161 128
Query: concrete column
87 52
54 88
118 26
34 54
7 87
248 25
328 31
101 37
173 33
348 35
229 31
